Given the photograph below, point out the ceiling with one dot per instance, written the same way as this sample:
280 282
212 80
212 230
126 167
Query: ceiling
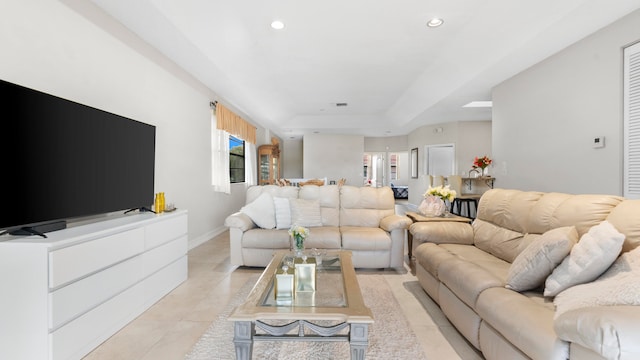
378 56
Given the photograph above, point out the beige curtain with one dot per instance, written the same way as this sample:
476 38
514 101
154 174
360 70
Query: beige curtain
228 121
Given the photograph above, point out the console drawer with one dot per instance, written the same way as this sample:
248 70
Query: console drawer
81 296
164 231
71 263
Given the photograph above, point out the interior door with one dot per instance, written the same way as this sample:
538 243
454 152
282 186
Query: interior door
440 159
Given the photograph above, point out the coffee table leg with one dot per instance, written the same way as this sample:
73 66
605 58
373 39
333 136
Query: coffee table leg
359 340
243 339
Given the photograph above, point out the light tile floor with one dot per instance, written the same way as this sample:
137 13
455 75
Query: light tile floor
172 326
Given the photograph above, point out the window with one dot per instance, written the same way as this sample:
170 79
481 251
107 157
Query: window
631 174
236 159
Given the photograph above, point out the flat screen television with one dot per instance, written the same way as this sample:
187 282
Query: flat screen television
64 160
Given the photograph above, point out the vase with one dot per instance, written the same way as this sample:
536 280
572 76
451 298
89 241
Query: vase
297 244
485 172
432 206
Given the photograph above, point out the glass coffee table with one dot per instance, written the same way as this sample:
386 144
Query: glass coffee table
335 311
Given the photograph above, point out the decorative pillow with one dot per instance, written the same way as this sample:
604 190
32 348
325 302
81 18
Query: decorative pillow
617 286
532 266
283 212
261 211
305 212
589 258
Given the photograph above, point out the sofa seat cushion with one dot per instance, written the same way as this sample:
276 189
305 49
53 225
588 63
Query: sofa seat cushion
430 256
266 239
523 321
364 238
467 280
495 266
326 237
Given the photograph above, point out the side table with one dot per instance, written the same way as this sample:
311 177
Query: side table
415 217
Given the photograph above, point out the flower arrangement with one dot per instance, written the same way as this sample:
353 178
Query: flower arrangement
481 162
443 192
298 233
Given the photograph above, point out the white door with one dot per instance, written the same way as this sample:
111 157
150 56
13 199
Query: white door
440 159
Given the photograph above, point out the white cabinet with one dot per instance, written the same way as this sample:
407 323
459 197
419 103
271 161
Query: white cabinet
64 295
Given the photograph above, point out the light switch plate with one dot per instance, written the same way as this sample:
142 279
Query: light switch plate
598 142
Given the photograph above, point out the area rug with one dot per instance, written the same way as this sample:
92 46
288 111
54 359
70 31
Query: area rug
390 337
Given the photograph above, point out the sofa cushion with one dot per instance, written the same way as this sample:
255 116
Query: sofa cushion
493 265
254 191
364 238
532 266
283 212
430 256
329 198
266 239
527 325
507 209
588 259
497 240
365 206
325 237
628 225
305 212
261 211
555 210
467 280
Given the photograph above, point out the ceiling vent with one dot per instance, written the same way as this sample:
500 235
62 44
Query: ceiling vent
341 104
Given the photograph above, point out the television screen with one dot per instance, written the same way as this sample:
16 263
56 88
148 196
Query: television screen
68 160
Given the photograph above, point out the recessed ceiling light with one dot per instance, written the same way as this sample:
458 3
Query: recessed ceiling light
479 104
277 24
435 22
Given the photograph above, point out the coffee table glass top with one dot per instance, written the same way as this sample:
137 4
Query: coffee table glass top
329 281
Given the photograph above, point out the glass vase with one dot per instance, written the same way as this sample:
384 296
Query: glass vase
297 244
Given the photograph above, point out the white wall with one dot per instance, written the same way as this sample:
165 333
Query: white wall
470 139
333 157
544 118
53 47
292 161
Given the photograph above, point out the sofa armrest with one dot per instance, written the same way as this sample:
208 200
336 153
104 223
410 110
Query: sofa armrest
442 232
394 222
239 220
611 331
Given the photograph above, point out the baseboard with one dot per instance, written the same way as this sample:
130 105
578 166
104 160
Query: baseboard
206 237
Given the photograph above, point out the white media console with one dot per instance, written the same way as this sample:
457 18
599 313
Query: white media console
64 295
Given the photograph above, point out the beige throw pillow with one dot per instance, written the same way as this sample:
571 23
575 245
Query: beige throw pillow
532 266
592 255
305 212
261 211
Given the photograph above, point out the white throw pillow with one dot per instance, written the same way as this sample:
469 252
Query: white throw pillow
589 258
261 211
619 285
283 212
305 212
532 266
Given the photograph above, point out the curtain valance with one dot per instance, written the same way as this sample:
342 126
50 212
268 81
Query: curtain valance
228 121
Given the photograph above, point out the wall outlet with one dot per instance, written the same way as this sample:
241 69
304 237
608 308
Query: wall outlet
598 142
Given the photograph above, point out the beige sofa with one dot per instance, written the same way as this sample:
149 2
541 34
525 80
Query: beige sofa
359 219
465 268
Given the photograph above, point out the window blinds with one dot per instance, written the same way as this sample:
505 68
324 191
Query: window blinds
632 121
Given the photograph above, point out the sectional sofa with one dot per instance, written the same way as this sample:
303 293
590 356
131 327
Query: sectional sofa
539 275
359 219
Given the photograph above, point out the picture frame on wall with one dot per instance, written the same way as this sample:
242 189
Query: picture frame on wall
414 163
